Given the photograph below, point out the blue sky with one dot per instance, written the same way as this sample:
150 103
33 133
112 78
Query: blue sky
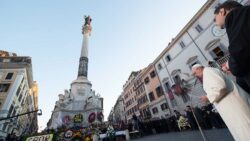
127 35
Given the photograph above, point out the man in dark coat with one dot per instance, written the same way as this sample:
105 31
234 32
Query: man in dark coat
236 19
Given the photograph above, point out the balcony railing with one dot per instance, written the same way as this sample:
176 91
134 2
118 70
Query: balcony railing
220 62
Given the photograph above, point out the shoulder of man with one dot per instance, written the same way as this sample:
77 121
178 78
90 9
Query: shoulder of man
236 16
211 70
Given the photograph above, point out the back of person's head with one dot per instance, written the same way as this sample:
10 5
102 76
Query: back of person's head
228 6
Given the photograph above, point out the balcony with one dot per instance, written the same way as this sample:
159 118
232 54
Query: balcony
220 62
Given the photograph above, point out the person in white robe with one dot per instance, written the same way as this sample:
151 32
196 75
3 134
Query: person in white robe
230 100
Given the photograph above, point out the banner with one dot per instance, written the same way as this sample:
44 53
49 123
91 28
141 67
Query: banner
47 137
170 95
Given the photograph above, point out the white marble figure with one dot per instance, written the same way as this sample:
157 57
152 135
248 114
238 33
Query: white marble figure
67 97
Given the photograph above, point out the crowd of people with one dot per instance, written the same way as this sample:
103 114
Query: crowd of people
205 117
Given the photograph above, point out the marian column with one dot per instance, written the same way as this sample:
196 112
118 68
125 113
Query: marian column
81 87
80 106
83 63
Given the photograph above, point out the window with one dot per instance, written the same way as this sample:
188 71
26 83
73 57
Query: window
164 106
139 101
199 28
182 44
155 110
23 102
20 97
146 80
14 113
142 89
177 79
159 66
152 74
10 110
4 87
159 91
142 100
145 99
151 96
5 126
167 86
168 58
18 90
217 53
9 76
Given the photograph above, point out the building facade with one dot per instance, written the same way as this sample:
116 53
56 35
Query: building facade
130 101
117 113
18 94
158 105
167 84
142 96
200 41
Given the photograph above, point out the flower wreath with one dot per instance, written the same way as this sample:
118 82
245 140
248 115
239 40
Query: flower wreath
100 116
67 120
68 134
92 117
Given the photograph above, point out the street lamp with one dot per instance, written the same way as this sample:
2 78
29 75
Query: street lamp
39 112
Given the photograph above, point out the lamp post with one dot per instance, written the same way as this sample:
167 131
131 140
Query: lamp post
39 113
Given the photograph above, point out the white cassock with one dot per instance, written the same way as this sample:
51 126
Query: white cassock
230 101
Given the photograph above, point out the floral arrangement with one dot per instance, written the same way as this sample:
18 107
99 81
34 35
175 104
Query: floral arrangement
92 117
183 123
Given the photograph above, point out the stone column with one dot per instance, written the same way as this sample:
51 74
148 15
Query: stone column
83 62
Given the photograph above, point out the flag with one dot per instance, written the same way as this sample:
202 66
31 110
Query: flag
170 95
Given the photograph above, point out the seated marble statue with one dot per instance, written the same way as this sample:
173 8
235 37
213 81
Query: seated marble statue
67 97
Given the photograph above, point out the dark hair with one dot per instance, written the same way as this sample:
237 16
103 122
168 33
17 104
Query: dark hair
228 5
